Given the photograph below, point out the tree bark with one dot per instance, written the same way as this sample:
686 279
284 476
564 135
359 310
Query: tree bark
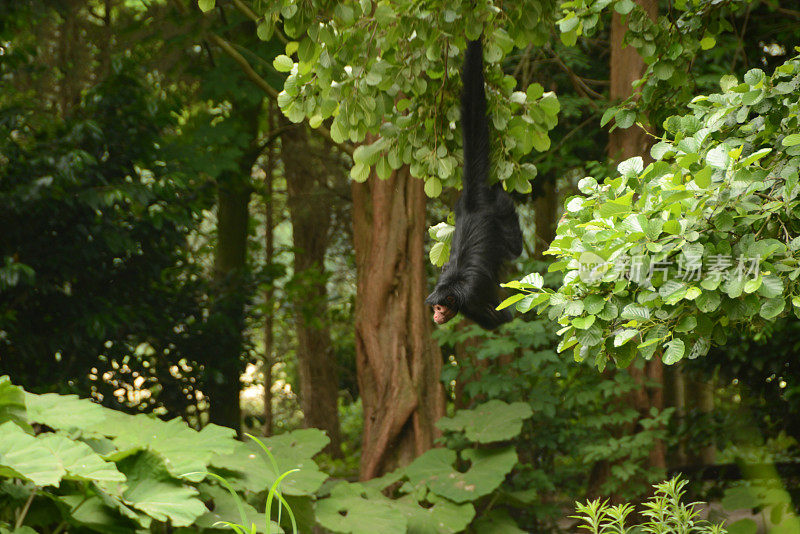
310 211
398 363
627 66
546 213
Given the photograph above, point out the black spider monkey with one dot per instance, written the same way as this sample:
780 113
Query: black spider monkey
487 228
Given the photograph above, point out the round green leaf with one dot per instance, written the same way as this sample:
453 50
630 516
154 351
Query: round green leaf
283 63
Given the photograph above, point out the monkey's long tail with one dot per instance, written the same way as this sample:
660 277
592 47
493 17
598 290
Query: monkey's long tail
474 122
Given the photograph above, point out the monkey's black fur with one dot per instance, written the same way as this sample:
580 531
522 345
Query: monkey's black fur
487 228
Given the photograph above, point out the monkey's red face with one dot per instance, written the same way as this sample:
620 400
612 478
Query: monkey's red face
442 314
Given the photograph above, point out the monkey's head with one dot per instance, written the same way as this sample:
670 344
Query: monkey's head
445 301
452 296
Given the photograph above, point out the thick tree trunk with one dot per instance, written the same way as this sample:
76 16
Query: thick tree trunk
310 210
398 363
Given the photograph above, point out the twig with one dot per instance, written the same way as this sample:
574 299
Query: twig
244 8
577 81
564 139
24 511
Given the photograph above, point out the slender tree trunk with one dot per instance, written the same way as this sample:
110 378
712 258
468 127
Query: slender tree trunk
230 291
310 210
69 84
226 320
269 250
398 363
675 394
546 212
703 400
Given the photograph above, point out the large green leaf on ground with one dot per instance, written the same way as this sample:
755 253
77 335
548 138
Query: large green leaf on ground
436 470
12 403
444 517
186 452
492 421
64 412
79 460
93 513
153 491
292 450
23 456
354 509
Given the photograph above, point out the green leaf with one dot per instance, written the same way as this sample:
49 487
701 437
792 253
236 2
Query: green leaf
791 140
707 43
436 470
755 156
513 299
687 324
151 490
634 165
443 516
356 509
674 352
79 461
608 114
205 5
717 157
226 508
549 104
291 450
264 30
625 118
624 336
582 323
772 308
283 63
23 456
534 92
623 7
541 141
359 172
433 187
12 404
728 82
703 177
753 77
492 421
636 312
672 227
439 254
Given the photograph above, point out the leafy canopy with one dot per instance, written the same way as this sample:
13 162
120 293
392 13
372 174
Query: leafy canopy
668 258
387 75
